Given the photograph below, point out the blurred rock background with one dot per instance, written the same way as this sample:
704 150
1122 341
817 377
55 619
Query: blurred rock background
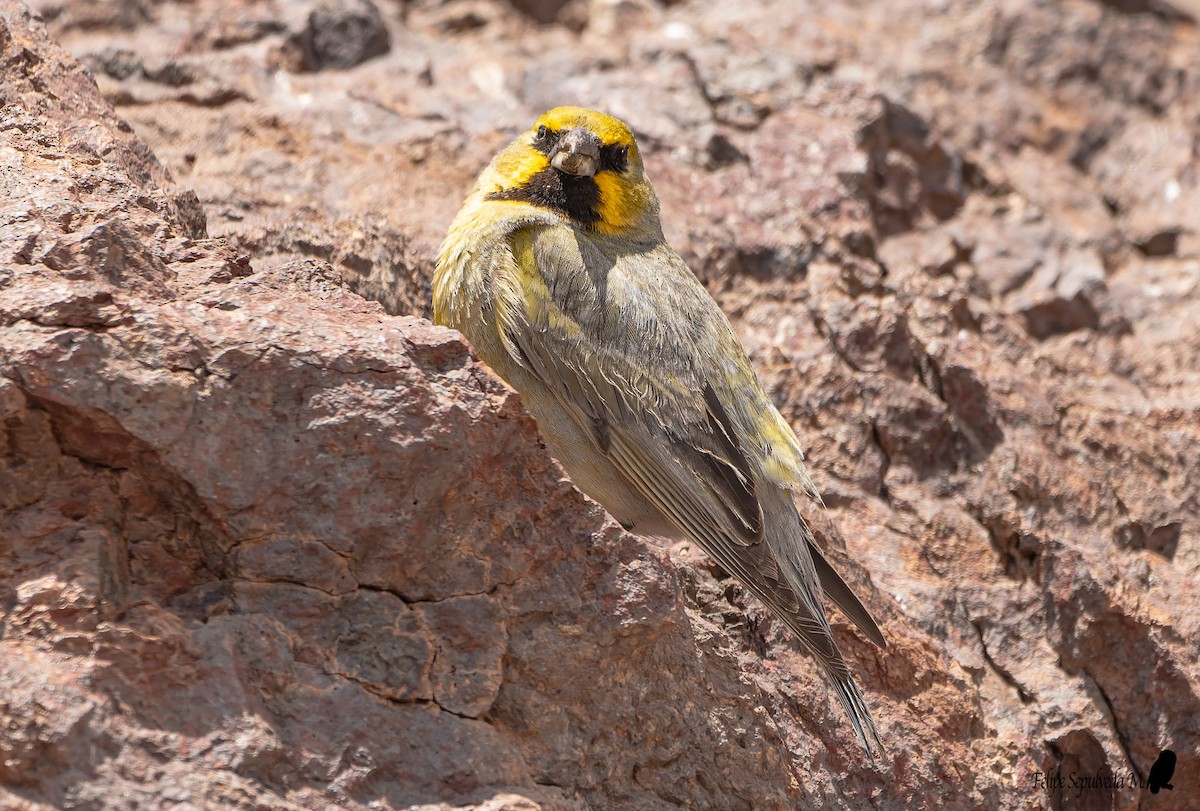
271 541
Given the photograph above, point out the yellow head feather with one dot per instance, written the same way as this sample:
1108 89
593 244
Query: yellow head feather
626 203
608 129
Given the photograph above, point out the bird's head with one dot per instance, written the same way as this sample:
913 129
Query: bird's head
582 164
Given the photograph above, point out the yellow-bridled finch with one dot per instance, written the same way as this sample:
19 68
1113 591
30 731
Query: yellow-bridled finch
557 271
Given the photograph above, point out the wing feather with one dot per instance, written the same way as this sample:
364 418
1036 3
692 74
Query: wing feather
844 597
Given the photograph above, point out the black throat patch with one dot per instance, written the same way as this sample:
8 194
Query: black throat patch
577 197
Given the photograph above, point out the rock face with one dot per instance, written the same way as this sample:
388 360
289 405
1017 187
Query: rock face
267 543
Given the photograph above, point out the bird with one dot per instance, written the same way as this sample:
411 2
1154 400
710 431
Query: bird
557 272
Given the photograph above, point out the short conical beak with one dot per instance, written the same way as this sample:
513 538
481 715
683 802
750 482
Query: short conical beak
578 154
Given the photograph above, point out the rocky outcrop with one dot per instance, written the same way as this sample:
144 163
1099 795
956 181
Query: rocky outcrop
270 544
268 547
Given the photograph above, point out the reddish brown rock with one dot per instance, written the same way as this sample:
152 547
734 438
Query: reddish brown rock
268 546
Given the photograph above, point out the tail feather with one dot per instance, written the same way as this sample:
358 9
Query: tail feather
859 713
818 639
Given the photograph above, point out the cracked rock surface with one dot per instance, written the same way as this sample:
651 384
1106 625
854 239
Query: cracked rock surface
270 540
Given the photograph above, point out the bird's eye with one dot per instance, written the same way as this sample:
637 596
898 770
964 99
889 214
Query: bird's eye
542 133
614 157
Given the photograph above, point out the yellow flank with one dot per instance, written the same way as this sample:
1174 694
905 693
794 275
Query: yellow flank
539 306
784 460
533 291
